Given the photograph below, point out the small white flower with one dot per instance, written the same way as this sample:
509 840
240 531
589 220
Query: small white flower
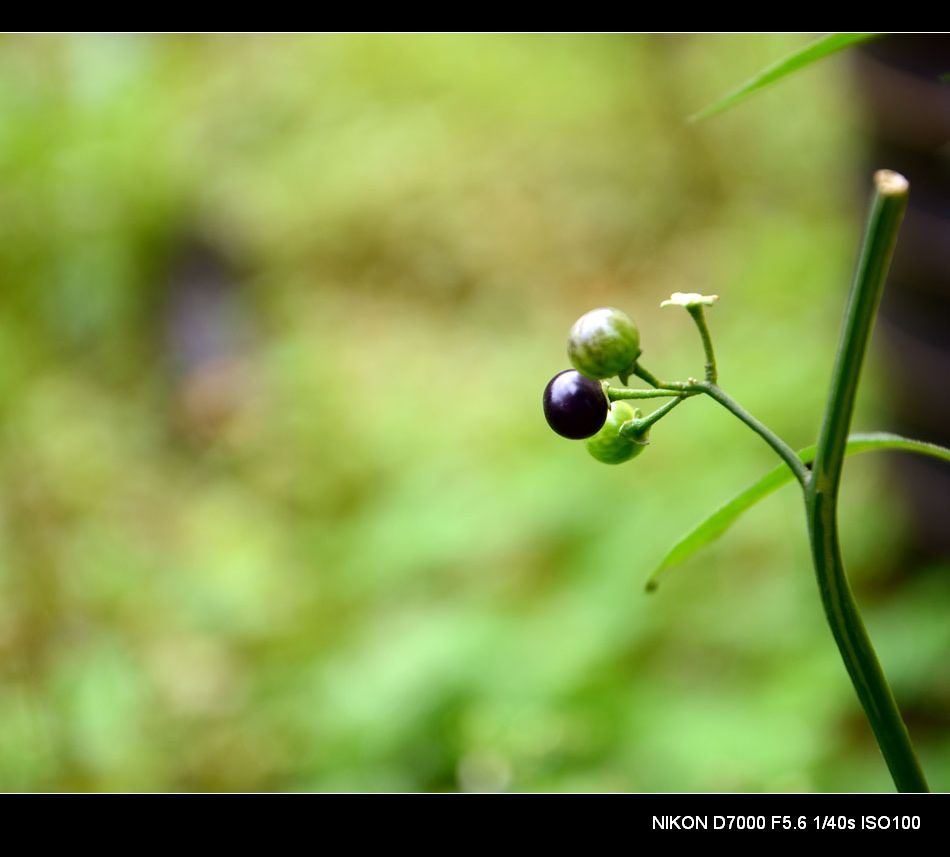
690 299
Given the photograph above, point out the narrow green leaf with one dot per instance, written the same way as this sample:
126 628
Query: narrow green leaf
812 52
725 516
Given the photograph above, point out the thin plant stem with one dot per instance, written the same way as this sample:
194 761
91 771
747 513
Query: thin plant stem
785 452
618 393
640 425
647 376
821 492
714 391
653 381
685 389
698 316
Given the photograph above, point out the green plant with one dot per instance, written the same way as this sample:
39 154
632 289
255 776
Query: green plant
820 48
816 469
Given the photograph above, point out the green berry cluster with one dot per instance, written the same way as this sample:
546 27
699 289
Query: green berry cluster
603 343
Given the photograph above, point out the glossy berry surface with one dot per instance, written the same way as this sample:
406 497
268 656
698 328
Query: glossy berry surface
574 405
608 445
603 343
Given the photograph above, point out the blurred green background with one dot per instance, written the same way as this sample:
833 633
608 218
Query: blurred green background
280 509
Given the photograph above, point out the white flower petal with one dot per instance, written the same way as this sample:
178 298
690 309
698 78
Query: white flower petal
689 299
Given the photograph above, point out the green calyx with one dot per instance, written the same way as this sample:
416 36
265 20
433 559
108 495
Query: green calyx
604 343
609 445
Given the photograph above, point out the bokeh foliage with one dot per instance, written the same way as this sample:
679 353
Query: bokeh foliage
348 554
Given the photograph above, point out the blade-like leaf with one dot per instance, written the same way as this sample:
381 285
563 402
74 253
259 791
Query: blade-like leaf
816 50
724 517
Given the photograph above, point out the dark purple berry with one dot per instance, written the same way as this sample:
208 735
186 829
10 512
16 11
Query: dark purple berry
574 405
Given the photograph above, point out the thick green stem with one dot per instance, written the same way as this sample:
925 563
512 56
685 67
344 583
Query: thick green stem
884 219
821 490
856 648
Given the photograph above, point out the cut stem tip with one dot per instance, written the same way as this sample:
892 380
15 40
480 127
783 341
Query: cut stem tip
891 183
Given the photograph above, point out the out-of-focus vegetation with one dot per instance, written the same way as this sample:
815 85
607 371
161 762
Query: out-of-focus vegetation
305 527
801 57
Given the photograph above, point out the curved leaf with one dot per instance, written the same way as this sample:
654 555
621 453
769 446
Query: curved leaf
719 521
813 51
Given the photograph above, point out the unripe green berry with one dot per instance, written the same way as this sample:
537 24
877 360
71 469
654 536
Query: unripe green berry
608 445
603 343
